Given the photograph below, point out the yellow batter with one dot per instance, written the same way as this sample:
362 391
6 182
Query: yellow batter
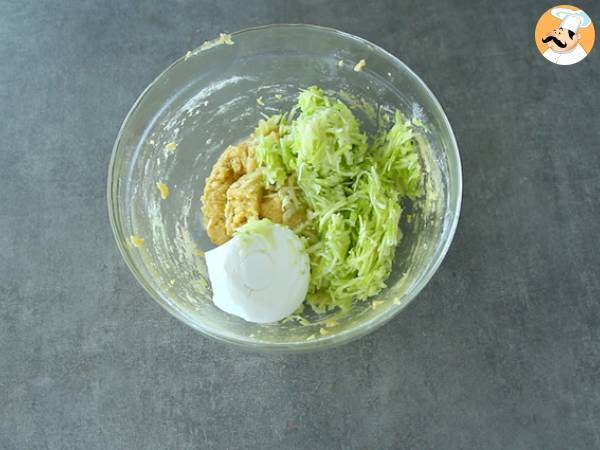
235 192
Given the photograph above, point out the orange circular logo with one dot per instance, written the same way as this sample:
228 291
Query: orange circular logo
565 35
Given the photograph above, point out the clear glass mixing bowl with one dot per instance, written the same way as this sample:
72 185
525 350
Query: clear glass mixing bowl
214 96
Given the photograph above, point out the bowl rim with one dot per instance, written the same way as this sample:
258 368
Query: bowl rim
324 342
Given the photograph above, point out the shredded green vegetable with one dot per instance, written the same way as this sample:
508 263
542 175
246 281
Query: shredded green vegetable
261 228
320 160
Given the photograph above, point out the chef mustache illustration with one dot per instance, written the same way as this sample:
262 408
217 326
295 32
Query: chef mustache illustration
557 41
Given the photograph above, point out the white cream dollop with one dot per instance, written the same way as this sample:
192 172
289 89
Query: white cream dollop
261 274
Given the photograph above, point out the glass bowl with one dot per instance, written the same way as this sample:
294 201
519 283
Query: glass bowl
214 96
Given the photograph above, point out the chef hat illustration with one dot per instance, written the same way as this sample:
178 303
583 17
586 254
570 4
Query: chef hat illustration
571 20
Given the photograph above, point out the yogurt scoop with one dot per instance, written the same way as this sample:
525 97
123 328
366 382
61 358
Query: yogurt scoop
261 274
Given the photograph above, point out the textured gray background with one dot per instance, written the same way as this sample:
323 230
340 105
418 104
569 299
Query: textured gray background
501 350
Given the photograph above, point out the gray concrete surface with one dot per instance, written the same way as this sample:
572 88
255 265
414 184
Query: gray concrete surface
501 350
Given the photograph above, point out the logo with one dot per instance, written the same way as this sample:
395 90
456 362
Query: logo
565 35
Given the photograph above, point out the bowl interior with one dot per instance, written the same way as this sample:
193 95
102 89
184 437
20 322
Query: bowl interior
214 97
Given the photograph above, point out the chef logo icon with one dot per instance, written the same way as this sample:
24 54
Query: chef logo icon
564 35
